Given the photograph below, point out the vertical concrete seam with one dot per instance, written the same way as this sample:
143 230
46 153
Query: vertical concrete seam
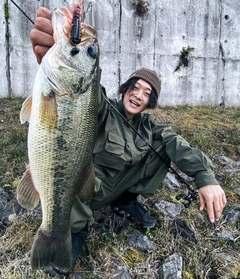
119 47
221 54
7 47
154 40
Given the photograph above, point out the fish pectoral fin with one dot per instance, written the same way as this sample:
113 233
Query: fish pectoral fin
48 111
26 110
27 195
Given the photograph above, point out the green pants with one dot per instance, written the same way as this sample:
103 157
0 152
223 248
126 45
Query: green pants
143 178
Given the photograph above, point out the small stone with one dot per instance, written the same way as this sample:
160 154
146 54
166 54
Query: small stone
181 228
232 170
141 242
120 271
238 191
11 217
168 208
171 181
227 236
233 216
171 267
236 165
76 275
200 218
4 197
12 207
223 160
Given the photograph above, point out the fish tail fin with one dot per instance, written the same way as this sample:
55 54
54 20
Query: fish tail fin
48 249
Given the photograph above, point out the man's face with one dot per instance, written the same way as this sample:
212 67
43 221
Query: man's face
136 100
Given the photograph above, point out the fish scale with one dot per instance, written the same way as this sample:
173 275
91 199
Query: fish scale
62 116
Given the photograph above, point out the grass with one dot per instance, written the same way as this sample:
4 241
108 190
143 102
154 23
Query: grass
13 148
215 130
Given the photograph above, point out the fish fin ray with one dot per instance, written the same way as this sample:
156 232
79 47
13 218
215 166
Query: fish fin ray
48 249
27 195
26 110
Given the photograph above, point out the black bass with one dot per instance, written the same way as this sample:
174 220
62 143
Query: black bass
62 116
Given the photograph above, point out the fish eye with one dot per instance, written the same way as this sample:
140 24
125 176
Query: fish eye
74 51
92 52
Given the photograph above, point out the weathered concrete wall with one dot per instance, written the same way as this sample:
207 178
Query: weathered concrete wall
129 41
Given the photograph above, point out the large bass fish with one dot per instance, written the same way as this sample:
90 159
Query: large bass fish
62 115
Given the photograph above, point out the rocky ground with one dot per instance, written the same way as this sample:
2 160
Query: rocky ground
184 244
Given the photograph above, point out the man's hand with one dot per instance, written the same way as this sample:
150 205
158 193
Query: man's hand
212 197
42 34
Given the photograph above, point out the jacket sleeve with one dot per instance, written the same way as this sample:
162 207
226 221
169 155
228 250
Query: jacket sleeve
188 159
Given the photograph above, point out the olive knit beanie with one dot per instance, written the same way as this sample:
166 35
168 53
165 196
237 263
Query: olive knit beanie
149 76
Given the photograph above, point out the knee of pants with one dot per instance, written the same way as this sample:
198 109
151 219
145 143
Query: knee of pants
80 214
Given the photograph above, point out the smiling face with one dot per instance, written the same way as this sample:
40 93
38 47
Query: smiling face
137 99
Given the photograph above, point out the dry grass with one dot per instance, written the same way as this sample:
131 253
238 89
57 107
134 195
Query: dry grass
13 148
216 131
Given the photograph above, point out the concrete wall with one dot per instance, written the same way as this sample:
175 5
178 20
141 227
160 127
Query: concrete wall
129 41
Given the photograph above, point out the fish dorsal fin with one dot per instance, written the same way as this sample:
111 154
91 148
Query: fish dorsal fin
27 195
26 110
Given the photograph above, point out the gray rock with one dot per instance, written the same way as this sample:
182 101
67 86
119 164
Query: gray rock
3 194
236 165
232 170
233 216
171 180
181 228
12 207
168 208
141 242
238 191
184 176
171 267
4 198
230 165
227 236
223 160
122 274
119 271
76 275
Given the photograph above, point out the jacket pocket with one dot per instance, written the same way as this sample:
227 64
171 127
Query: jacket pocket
114 145
111 158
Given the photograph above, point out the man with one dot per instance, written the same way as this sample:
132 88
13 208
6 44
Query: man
124 165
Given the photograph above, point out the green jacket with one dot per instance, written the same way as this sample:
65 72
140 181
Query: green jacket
118 147
123 161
